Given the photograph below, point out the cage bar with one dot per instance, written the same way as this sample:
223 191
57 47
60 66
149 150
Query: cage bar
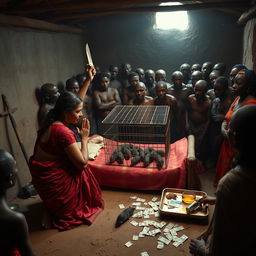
145 129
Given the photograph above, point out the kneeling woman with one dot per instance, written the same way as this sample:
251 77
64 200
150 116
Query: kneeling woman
70 192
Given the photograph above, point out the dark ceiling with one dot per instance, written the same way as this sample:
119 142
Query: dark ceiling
75 12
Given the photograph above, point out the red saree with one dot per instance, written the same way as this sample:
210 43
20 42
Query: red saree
226 153
71 196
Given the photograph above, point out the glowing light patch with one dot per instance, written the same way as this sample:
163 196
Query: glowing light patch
171 20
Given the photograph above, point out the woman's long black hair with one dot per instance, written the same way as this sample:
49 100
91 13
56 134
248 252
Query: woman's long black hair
66 102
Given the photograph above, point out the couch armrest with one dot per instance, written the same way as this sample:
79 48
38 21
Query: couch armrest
193 166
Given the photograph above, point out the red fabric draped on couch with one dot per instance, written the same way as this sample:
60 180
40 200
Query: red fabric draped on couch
174 176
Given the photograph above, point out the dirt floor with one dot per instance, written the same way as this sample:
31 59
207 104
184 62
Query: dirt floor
102 238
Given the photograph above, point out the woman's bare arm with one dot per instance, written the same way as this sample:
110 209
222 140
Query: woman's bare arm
90 73
80 157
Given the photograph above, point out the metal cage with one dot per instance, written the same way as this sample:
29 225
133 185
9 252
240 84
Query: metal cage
137 136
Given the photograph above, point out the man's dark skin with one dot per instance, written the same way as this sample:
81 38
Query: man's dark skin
221 67
50 94
114 82
129 92
181 92
140 96
207 69
141 73
199 107
195 76
150 82
162 98
196 67
14 230
105 98
186 71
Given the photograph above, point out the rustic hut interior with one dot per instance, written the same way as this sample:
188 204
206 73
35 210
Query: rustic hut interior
45 42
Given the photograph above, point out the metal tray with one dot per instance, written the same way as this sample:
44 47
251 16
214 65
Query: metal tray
180 207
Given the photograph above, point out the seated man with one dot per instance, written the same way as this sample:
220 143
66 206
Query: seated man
230 220
140 96
14 230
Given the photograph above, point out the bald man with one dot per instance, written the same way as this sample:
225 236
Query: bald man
150 82
186 72
140 97
181 92
14 230
199 109
161 76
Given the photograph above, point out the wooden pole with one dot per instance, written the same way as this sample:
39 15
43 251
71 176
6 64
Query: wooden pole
14 125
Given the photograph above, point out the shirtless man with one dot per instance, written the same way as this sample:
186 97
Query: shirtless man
150 82
49 95
195 76
140 96
221 67
72 85
220 106
81 77
14 229
186 72
161 76
141 73
212 78
129 92
206 70
199 108
105 99
114 82
181 92
162 98
196 67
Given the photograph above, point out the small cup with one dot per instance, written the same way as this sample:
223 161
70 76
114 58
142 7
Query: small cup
188 197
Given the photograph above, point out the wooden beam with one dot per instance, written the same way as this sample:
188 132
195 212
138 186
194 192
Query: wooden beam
251 13
21 9
186 7
15 21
